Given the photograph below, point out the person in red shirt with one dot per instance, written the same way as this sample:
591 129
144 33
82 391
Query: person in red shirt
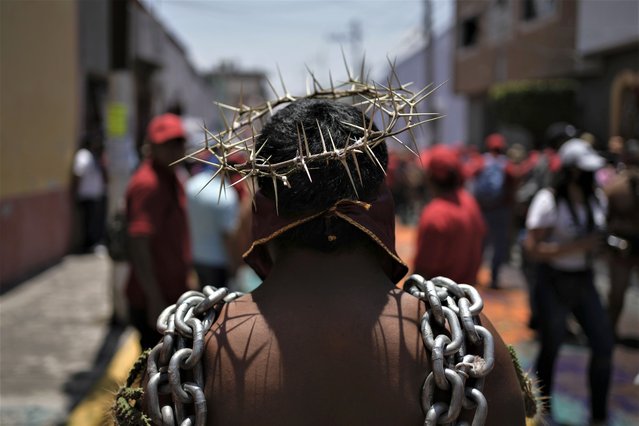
451 229
159 247
493 187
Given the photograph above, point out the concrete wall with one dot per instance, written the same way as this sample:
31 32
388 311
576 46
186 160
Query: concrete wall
38 131
175 80
413 68
451 128
606 25
95 41
595 94
545 47
509 47
608 37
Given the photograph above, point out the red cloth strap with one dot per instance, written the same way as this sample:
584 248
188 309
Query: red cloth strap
376 218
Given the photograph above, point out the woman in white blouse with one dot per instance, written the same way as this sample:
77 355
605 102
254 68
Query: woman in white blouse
565 224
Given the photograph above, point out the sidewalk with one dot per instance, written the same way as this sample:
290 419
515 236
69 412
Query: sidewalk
55 340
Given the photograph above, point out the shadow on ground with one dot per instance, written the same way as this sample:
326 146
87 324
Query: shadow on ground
80 384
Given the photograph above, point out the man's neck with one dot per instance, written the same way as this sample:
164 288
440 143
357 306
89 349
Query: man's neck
303 273
447 193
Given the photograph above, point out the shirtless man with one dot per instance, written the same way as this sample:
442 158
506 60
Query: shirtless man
328 339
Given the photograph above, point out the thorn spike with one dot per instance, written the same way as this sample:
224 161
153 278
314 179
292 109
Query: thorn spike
348 71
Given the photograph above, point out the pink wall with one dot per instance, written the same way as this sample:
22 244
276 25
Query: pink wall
34 231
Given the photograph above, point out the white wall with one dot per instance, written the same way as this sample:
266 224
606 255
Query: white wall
451 128
413 68
603 25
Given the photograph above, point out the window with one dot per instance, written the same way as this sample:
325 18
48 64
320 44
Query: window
469 32
535 9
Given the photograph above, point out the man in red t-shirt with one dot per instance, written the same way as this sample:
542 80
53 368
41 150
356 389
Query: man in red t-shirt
160 253
451 227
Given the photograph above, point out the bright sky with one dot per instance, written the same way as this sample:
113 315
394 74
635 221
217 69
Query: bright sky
260 35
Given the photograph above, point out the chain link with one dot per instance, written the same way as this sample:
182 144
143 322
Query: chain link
174 366
457 377
175 369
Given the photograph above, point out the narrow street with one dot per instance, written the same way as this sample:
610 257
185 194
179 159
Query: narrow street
59 357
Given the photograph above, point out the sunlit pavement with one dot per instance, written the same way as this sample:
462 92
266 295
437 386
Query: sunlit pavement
56 342
53 329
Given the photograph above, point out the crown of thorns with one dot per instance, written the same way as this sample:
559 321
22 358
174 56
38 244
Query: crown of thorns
394 104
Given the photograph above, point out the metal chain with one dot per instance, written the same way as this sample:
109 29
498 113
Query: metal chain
175 369
174 366
457 377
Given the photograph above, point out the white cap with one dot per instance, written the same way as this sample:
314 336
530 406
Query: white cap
579 153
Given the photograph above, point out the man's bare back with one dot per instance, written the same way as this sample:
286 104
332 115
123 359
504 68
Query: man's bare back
327 340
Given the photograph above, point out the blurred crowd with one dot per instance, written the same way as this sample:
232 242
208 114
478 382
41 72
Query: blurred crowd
563 206
492 189
502 181
184 226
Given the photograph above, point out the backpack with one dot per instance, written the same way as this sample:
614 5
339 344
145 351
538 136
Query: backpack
117 238
488 187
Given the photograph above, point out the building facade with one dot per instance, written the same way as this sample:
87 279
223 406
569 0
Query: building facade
39 128
70 69
504 40
430 61
233 86
608 38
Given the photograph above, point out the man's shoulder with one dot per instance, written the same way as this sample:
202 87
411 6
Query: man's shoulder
466 199
440 214
210 189
233 317
195 182
243 318
409 306
434 209
144 178
83 154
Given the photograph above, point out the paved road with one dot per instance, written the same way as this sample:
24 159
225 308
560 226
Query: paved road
55 343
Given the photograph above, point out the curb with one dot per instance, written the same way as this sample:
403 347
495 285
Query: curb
95 408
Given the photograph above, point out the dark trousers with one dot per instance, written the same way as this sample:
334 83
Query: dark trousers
498 224
559 293
93 221
529 269
149 336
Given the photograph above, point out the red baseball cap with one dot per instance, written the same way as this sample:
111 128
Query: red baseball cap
441 162
495 142
164 128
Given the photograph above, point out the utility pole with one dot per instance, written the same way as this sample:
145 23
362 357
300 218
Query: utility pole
120 135
354 39
428 65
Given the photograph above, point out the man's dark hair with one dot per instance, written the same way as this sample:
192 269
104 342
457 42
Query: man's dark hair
331 182
451 182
